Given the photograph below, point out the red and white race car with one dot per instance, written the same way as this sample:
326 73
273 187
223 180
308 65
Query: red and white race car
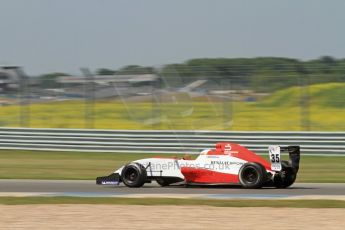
227 164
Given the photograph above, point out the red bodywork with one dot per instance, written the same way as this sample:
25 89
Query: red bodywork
207 176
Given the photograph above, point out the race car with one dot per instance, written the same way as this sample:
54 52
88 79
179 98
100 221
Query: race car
227 164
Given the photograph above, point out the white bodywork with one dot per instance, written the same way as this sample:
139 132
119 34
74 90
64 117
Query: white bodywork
167 167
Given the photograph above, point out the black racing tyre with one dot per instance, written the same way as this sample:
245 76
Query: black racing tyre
252 175
134 175
286 177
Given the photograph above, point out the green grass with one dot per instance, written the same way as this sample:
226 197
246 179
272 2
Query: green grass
61 165
322 169
15 164
174 201
280 111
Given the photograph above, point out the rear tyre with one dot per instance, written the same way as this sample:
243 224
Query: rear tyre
286 177
134 175
252 175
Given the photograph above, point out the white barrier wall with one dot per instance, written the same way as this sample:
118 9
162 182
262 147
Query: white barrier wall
164 141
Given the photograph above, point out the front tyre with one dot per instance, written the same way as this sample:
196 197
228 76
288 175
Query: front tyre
134 175
252 175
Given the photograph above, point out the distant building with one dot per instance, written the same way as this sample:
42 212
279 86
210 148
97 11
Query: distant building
107 86
107 79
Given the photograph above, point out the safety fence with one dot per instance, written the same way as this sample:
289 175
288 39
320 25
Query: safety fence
164 141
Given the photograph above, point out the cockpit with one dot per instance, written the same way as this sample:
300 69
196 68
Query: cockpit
204 152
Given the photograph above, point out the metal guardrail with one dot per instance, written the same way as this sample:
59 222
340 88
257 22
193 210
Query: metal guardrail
164 141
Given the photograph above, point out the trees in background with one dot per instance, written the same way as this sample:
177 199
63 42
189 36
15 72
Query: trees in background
262 73
49 80
104 71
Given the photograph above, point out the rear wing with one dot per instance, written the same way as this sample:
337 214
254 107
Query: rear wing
294 156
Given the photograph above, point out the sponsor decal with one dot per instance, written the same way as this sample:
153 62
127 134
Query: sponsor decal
227 150
111 182
226 163
212 156
221 162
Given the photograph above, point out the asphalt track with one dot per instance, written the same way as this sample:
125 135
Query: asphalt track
88 188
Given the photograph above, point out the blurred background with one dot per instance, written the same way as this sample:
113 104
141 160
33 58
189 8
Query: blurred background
199 94
189 65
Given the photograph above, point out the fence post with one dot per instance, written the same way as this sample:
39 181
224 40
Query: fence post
89 96
304 103
24 115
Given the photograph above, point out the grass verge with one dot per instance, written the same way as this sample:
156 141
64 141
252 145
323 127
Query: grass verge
20 164
174 201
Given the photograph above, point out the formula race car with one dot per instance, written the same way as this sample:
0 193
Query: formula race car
227 164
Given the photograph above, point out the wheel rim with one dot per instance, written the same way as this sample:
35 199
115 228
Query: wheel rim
250 175
131 175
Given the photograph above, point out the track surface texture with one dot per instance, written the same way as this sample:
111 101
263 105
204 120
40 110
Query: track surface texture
81 187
